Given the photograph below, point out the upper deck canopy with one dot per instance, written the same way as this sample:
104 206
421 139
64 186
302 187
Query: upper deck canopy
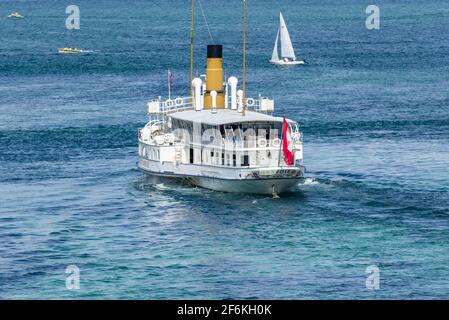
223 116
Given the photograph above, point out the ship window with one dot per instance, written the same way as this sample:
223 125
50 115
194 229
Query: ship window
245 161
222 159
211 153
228 163
234 160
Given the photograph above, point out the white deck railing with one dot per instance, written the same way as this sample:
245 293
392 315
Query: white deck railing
157 106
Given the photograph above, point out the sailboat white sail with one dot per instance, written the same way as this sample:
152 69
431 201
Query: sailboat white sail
286 43
275 56
288 56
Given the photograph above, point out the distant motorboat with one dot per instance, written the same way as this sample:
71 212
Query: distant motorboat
70 50
288 56
16 15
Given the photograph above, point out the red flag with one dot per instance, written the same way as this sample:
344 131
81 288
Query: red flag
286 141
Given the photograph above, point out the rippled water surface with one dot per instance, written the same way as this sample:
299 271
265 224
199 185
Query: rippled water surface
373 105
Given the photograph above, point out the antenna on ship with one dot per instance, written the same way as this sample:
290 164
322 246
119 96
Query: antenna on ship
244 59
192 35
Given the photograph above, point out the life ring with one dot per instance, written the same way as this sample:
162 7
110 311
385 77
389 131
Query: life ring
262 142
179 102
250 102
169 103
276 142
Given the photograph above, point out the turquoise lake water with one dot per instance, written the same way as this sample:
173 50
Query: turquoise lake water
373 106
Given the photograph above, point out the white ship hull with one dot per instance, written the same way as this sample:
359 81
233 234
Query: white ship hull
288 63
267 181
260 186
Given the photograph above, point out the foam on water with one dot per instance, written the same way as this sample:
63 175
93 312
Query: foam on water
310 181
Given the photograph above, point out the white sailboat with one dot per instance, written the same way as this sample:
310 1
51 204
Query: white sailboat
288 56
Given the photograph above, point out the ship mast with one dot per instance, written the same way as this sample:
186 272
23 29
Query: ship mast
244 59
192 35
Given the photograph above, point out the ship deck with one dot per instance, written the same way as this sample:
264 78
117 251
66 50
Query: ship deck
223 116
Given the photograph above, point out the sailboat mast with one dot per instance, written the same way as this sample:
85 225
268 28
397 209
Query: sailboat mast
244 59
192 35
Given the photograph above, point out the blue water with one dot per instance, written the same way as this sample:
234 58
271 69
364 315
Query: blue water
373 105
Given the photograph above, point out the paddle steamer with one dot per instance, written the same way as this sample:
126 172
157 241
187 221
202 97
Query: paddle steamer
220 139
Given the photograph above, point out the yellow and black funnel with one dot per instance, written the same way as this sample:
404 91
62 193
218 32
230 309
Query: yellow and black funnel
214 76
